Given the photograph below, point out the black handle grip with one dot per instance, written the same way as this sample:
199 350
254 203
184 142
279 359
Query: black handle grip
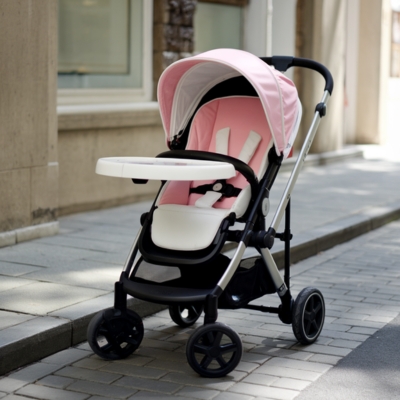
283 63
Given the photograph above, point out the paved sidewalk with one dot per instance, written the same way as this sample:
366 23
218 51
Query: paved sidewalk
360 281
50 287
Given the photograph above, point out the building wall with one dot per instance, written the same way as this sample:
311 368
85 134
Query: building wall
86 137
45 171
28 129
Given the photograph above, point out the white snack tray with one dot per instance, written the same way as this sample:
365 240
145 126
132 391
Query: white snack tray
168 169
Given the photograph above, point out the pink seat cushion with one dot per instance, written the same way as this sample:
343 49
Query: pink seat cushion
241 115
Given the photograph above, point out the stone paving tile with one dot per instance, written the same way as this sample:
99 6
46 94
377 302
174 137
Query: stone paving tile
150 385
348 344
142 395
209 383
260 379
287 372
91 363
168 366
300 365
88 375
325 359
8 319
44 393
101 389
55 381
44 297
16 397
133 370
288 383
66 356
363 331
16 269
233 396
25 376
258 390
197 393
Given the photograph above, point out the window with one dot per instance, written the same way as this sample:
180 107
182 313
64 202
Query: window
104 51
218 26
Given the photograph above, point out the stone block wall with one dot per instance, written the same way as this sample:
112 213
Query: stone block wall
28 129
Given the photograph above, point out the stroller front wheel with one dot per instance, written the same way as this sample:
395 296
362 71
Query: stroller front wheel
308 315
214 350
114 334
185 316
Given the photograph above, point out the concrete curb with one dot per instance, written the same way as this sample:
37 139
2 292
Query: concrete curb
10 238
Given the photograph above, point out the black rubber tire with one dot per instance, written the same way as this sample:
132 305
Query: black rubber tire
185 316
214 350
308 315
113 334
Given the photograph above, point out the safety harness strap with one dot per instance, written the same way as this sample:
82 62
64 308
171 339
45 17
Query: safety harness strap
213 192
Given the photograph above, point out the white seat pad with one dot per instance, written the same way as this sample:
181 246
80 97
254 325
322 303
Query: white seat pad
179 227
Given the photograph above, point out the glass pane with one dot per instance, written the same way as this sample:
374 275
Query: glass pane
93 36
217 26
100 43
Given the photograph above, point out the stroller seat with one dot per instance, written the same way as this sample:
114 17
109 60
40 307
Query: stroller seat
189 214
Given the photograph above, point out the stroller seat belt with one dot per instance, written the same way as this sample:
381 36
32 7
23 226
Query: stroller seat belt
214 191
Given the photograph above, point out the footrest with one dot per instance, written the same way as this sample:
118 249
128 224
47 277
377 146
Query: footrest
164 294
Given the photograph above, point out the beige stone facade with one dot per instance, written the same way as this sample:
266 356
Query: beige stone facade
86 137
47 171
28 129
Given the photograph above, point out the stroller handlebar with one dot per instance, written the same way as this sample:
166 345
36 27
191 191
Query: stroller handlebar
283 63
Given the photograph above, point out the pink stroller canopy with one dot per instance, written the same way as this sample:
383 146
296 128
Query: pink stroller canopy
185 82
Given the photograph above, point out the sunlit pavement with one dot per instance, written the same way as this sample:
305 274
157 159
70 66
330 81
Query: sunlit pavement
50 287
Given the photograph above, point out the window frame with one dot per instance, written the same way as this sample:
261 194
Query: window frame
117 95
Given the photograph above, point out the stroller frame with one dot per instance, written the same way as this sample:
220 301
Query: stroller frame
254 235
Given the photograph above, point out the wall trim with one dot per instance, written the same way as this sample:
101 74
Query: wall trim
100 116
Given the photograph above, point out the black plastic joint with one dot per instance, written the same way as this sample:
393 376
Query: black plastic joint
143 218
285 309
269 238
119 296
321 109
139 181
211 309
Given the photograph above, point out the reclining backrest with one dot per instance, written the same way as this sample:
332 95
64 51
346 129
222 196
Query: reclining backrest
236 124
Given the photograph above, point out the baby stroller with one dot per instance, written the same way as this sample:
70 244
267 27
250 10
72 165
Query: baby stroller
230 119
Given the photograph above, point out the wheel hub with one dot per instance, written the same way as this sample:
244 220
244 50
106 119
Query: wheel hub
214 352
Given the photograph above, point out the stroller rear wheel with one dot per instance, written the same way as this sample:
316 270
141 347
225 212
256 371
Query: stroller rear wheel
115 334
308 315
185 316
214 350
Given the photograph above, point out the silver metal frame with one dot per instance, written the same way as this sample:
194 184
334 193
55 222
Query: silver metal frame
270 264
280 211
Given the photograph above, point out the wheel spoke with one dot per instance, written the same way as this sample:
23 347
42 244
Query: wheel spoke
307 316
198 348
307 327
315 325
107 347
317 308
210 337
192 311
222 362
310 304
228 348
131 340
206 361
218 338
